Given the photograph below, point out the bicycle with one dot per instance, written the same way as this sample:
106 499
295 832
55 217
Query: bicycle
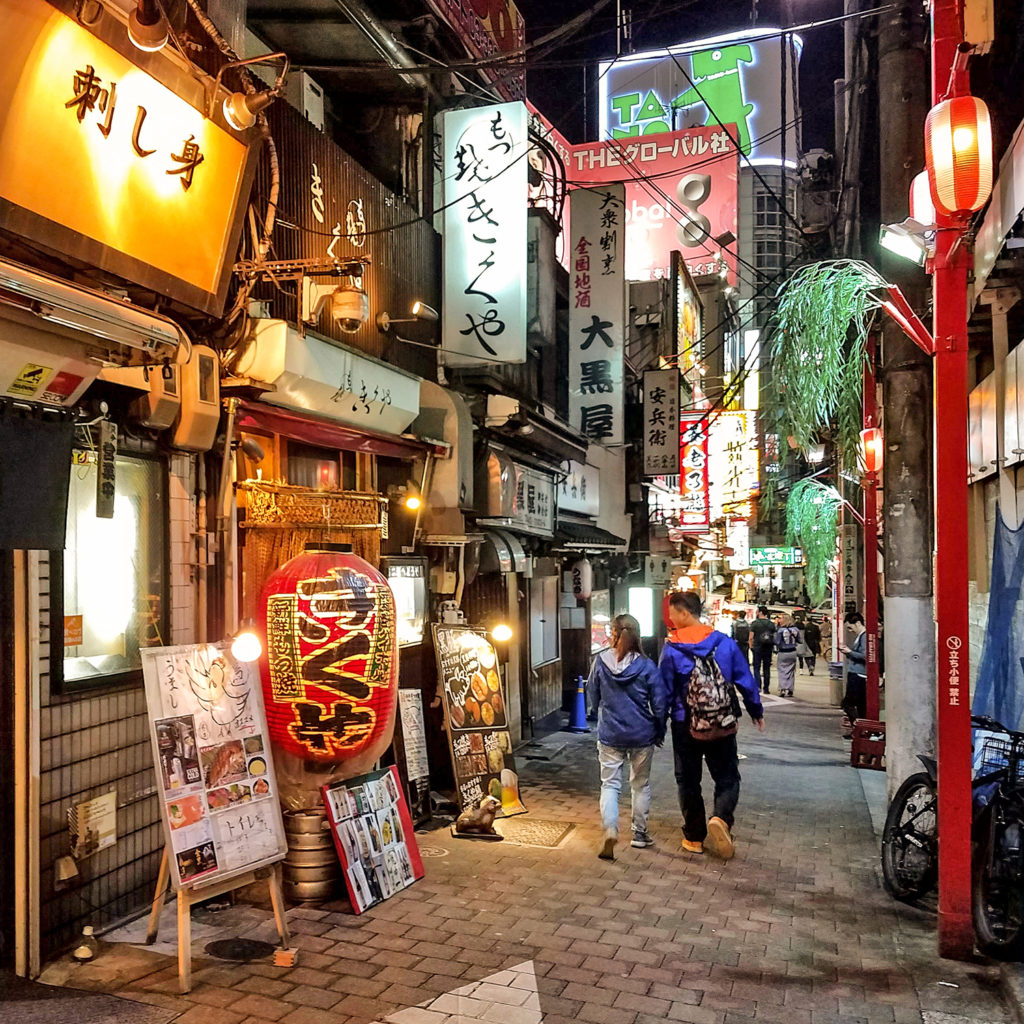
910 842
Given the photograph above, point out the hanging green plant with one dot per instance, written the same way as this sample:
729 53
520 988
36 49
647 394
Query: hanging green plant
820 330
812 524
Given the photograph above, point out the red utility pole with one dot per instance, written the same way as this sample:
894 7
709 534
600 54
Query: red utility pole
871 544
956 934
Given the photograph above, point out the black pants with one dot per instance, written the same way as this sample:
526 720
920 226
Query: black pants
763 665
723 765
855 700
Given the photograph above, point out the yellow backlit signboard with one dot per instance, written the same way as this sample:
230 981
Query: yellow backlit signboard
112 164
733 464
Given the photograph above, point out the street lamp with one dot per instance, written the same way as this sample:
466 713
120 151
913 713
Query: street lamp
906 240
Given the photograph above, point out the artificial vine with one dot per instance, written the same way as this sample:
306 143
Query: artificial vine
812 524
820 330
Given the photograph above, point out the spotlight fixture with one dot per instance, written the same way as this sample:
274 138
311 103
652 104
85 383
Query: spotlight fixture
147 26
241 109
906 240
421 312
246 644
502 633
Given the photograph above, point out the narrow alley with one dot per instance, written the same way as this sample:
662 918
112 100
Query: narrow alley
795 930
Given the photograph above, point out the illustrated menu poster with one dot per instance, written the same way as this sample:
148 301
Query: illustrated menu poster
474 705
373 835
218 792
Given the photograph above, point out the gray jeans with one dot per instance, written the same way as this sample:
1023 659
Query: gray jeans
612 760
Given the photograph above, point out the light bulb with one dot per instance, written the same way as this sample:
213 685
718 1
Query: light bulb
963 138
413 502
246 646
502 633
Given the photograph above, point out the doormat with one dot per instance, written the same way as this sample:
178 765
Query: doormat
523 831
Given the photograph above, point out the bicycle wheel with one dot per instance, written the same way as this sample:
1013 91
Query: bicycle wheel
910 840
997 884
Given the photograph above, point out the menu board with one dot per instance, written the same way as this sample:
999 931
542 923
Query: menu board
214 773
373 835
477 718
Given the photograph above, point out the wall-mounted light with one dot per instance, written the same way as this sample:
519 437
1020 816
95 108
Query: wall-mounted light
246 644
906 240
408 495
147 26
501 633
241 109
421 312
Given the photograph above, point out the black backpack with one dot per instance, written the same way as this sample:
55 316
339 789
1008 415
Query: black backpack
712 706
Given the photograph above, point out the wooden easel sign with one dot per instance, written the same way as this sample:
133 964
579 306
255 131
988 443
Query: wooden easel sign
215 778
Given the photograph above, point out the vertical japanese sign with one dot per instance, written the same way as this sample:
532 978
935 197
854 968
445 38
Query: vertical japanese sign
695 513
597 307
485 188
732 453
661 422
106 472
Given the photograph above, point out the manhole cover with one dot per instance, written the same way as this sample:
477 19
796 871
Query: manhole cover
239 950
433 851
532 832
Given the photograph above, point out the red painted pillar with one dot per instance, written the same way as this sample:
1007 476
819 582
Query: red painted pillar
956 934
871 547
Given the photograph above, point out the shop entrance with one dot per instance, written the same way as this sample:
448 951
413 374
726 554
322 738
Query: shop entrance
6 760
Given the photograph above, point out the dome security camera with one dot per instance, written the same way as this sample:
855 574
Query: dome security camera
350 308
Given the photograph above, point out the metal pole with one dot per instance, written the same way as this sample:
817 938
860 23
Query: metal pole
956 936
871 546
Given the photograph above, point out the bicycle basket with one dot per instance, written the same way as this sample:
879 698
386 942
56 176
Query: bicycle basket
1001 753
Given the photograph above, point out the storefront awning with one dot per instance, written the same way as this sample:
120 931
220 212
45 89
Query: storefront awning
502 552
325 433
585 537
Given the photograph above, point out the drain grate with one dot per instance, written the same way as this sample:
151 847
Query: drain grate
522 831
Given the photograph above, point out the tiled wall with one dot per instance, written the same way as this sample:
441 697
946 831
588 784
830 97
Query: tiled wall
92 743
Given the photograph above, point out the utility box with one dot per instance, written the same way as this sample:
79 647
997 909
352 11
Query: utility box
196 427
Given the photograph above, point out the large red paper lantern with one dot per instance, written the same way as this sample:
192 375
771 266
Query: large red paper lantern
330 662
958 154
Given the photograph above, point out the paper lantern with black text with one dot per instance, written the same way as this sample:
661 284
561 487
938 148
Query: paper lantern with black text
330 661
583 579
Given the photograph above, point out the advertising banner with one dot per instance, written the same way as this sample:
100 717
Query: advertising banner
484 226
661 422
695 510
681 193
214 773
474 704
373 835
732 454
597 311
775 556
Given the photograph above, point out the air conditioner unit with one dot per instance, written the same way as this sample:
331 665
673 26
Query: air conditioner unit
158 407
196 426
306 97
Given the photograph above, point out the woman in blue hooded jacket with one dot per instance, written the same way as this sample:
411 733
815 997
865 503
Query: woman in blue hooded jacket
627 692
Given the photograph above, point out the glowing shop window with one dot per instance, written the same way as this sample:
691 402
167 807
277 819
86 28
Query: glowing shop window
113 571
409 585
641 607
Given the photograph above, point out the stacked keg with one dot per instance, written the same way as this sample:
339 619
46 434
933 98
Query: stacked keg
312 872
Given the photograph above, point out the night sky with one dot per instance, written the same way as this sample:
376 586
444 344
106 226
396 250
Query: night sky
558 90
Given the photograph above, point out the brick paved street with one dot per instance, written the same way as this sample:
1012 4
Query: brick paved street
795 930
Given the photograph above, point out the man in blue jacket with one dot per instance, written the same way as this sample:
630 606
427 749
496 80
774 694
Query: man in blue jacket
692 645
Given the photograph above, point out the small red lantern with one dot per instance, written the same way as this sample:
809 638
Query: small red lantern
330 664
958 154
872 449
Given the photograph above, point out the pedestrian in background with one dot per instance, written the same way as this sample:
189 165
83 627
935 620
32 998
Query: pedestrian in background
762 643
626 691
741 634
787 639
701 670
855 700
812 638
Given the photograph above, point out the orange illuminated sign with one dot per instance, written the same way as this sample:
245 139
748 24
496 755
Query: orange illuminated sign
113 164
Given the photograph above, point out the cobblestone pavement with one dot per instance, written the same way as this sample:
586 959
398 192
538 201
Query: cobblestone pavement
796 929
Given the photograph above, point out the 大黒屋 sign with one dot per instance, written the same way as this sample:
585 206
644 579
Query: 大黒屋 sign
108 163
485 184
597 310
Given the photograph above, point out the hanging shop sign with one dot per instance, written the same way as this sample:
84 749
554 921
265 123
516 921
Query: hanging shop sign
695 510
680 192
330 668
731 80
312 375
732 464
775 556
373 835
106 469
737 537
579 489
115 165
688 315
582 573
597 307
474 704
661 422
484 227
488 28
534 508
214 771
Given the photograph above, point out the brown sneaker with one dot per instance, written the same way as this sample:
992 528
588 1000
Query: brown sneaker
607 851
719 840
692 847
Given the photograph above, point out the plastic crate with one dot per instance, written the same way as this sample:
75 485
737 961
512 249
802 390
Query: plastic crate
1001 753
868 749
